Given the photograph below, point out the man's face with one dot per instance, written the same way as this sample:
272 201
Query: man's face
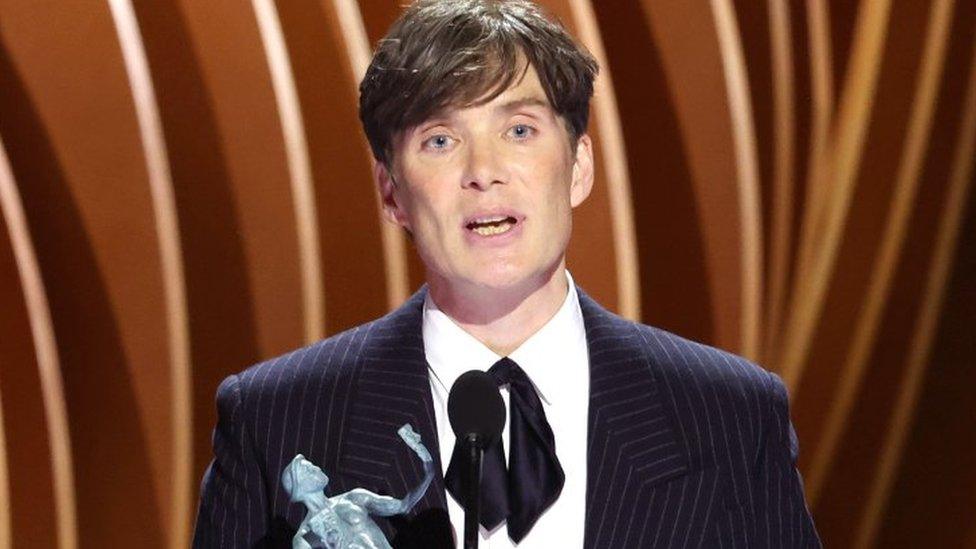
487 191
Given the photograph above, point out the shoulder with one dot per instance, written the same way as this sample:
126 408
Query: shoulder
673 358
727 405
718 383
687 362
712 392
327 361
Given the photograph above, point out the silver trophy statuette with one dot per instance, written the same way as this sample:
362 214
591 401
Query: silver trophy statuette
342 522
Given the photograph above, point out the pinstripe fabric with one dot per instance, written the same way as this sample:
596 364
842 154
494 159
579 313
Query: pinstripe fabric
688 446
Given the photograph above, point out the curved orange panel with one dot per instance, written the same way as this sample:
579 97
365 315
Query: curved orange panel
702 64
668 235
238 227
812 276
26 487
823 46
75 146
747 179
6 537
177 515
377 18
756 32
39 449
349 229
809 118
860 205
949 174
933 493
864 324
778 216
299 166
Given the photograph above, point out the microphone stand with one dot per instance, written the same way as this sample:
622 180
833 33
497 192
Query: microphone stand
472 507
477 414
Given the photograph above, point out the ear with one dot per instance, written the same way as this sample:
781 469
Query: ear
582 171
392 210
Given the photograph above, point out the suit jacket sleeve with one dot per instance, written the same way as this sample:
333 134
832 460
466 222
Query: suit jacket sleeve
232 497
782 517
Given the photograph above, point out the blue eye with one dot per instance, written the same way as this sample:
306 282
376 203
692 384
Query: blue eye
521 131
438 142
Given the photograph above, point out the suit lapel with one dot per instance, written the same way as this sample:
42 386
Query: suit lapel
391 387
637 458
633 446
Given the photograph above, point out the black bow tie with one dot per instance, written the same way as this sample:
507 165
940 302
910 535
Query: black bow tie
534 477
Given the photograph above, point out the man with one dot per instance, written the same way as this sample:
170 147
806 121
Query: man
619 435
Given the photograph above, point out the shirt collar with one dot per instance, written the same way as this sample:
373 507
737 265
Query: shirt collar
451 351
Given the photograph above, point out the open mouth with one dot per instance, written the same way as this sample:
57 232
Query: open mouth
493 225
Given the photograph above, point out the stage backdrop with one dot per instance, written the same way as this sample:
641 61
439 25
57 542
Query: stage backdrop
185 191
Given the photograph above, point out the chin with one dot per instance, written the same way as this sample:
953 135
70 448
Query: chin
507 277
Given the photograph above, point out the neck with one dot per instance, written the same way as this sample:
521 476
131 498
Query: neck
503 319
316 501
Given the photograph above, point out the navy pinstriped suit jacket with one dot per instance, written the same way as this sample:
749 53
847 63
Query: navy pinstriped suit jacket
689 446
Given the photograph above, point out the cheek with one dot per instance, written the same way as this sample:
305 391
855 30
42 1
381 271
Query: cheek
560 190
427 213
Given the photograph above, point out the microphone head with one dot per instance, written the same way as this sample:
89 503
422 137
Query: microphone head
475 406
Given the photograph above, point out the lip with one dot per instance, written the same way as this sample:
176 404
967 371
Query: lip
492 212
494 239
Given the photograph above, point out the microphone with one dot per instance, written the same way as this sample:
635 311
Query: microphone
477 414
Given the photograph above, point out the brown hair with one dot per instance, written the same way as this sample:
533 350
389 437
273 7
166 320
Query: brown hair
459 53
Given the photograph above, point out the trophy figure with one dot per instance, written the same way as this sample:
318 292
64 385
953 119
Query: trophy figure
342 521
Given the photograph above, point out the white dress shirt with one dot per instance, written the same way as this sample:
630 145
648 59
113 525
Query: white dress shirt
557 361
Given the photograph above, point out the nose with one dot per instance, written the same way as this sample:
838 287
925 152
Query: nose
484 167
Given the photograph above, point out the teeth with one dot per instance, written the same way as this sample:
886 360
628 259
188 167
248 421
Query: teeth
492 225
496 219
493 229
